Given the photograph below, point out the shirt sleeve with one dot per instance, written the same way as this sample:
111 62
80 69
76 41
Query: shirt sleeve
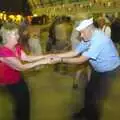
81 47
94 50
4 52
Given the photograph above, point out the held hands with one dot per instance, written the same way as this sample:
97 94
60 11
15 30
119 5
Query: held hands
53 59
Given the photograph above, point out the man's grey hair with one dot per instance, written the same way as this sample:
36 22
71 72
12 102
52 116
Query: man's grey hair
91 27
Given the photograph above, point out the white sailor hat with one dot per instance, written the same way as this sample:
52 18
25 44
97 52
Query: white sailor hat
83 24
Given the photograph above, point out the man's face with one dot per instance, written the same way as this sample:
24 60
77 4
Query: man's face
85 35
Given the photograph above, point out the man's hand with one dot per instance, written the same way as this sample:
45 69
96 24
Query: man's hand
54 59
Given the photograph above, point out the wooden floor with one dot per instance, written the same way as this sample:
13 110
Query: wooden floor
53 98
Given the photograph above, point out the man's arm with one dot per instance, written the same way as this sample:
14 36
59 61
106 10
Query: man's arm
76 60
67 54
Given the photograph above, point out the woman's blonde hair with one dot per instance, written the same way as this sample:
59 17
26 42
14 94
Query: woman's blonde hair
6 30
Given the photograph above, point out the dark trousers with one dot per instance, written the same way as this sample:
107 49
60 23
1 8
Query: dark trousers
95 92
20 95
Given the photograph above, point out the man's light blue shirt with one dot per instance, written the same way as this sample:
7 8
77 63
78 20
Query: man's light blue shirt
101 52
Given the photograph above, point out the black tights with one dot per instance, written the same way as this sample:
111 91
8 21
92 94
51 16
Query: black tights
20 95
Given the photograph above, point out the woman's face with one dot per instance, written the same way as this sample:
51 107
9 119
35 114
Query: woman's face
14 36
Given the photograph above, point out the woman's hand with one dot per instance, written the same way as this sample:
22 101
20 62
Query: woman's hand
53 59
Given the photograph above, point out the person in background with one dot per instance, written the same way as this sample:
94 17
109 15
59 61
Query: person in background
59 39
34 43
115 32
35 46
50 44
63 32
104 25
24 39
100 51
11 65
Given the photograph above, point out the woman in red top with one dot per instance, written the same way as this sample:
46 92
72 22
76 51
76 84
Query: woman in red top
11 55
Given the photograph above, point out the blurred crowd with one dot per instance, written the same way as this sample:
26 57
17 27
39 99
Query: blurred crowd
75 7
61 34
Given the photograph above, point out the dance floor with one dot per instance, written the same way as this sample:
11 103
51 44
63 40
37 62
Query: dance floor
53 98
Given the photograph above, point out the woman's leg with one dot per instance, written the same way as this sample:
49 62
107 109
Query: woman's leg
20 94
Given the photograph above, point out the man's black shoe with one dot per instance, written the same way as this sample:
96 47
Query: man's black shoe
75 86
76 115
79 115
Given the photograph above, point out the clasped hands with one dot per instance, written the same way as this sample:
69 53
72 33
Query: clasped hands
53 59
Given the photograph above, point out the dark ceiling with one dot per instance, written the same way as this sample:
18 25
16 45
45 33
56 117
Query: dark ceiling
15 6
